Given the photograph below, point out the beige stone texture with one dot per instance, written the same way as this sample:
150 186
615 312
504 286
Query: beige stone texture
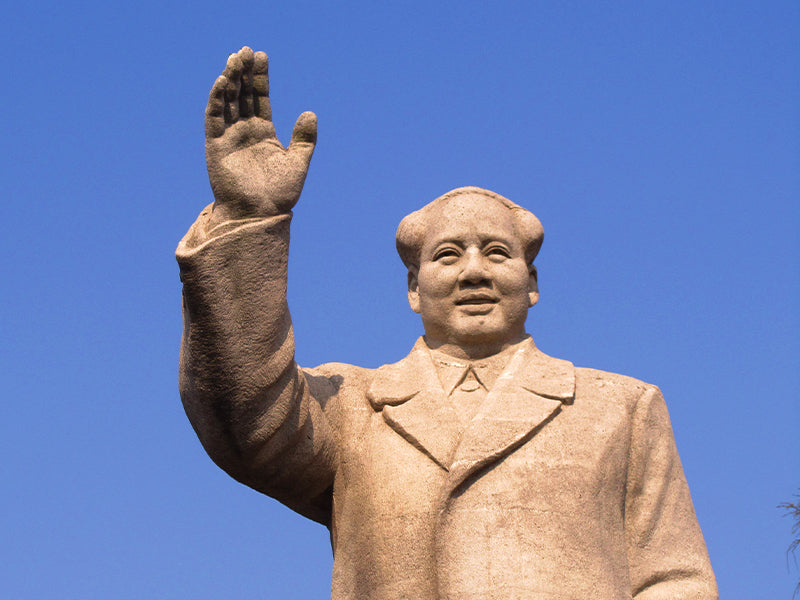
477 467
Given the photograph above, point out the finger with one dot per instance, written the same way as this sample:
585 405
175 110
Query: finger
304 136
246 100
261 104
246 55
233 73
215 109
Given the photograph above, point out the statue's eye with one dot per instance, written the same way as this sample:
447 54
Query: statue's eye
447 253
497 252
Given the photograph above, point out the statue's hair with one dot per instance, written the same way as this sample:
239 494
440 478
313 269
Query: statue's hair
411 231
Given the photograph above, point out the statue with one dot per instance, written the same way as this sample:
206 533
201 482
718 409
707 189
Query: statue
477 467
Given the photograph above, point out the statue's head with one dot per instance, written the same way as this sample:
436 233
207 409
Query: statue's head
469 255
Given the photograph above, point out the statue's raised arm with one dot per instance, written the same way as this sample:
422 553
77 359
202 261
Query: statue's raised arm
251 405
251 173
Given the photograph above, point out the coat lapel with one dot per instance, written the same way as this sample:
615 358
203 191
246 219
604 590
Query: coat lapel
529 393
414 404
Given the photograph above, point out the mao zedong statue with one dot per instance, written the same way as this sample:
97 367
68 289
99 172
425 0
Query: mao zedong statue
477 467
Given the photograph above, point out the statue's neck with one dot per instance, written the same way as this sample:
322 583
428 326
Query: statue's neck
475 351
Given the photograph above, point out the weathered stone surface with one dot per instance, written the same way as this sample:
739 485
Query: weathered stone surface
477 466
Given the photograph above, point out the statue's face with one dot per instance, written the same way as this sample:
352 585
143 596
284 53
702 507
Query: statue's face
473 287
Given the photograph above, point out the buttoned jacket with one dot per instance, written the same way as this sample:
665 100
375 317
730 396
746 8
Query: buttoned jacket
564 484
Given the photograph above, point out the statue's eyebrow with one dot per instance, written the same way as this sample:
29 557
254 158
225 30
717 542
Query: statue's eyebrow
501 239
448 240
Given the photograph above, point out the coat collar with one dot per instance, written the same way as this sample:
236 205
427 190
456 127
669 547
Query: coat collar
528 393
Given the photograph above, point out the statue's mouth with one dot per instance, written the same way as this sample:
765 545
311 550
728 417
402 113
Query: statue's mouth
477 299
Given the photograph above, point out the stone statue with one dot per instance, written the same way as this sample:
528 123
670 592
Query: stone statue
477 467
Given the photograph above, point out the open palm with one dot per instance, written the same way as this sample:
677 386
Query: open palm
251 173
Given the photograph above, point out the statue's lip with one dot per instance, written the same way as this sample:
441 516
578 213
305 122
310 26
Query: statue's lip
477 298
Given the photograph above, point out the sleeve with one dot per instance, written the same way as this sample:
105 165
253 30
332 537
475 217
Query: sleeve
667 555
245 396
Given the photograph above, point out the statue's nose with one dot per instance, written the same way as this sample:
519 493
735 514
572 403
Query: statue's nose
474 270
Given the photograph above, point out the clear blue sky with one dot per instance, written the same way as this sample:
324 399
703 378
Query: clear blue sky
658 142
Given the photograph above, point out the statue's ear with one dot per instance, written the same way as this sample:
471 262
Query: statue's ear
413 289
533 285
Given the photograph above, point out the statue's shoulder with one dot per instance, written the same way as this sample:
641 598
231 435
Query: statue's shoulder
603 388
607 378
388 383
335 374
342 390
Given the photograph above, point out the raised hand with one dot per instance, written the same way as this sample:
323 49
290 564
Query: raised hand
251 173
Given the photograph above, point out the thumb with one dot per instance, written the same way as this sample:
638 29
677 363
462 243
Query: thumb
304 136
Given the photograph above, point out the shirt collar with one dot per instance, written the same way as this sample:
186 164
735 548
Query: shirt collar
452 370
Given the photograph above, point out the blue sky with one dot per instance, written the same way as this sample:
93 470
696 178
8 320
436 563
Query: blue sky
658 142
